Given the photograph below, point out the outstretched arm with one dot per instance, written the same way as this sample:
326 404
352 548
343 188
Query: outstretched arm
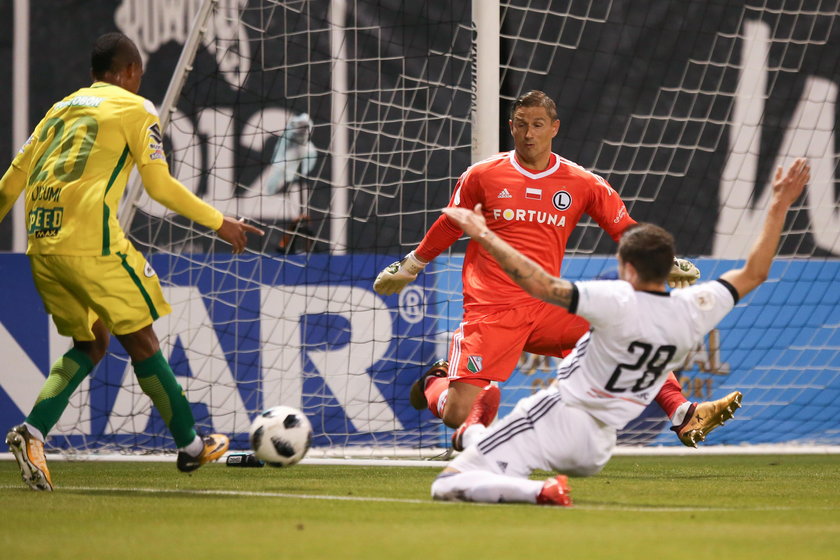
786 189
167 190
398 275
522 270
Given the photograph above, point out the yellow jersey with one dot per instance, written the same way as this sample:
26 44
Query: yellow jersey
77 164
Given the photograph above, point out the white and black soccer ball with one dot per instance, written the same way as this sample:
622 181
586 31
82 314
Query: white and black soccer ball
280 436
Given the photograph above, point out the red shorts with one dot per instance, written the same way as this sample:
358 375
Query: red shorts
489 346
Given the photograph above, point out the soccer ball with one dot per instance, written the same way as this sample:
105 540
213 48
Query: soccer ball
280 436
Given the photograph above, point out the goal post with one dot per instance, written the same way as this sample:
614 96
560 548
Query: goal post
341 126
485 110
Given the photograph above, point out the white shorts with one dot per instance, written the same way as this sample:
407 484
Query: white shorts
541 433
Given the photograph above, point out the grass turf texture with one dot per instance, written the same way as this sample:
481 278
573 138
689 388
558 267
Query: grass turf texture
638 507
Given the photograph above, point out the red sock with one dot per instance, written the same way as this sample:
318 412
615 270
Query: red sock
434 387
670 397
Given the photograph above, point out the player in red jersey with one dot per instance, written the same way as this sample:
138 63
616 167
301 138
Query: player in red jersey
533 199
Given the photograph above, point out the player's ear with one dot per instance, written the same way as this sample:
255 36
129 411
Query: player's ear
555 125
621 269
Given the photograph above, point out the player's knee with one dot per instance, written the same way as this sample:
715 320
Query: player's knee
588 469
459 401
445 486
140 345
455 412
94 349
98 351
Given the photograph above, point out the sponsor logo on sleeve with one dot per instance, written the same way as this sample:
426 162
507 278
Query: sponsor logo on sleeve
155 134
148 270
621 214
156 142
704 300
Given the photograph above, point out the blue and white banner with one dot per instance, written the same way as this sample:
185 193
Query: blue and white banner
248 333
245 334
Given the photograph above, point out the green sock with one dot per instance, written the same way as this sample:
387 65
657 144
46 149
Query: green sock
65 375
157 380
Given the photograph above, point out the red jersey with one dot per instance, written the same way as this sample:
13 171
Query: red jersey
533 211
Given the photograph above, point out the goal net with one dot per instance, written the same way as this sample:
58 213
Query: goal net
340 127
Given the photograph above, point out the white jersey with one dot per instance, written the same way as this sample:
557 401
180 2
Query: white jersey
636 338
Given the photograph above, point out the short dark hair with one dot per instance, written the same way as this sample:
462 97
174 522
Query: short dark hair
650 249
111 53
535 98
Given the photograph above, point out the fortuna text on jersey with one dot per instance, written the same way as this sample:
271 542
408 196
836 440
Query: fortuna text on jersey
537 216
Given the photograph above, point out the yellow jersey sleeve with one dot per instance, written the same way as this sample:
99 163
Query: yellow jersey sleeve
14 180
167 190
11 186
143 135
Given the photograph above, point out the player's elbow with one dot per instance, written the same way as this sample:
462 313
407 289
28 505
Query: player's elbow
755 276
760 277
158 183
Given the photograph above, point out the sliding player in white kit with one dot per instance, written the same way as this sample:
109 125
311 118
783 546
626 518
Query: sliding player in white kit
639 332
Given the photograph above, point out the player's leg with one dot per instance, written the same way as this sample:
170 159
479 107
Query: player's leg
90 341
426 390
701 418
128 297
484 349
496 468
158 381
484 486
481 415
65 376
460 398
692 422
556 331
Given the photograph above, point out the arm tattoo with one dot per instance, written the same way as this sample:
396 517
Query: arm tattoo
560 293
516 273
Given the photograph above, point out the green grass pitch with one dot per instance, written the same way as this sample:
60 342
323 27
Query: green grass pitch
737 507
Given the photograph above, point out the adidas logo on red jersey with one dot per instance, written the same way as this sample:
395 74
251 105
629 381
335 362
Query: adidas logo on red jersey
505 194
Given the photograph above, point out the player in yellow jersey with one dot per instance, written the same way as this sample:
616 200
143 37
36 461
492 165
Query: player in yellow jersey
73 171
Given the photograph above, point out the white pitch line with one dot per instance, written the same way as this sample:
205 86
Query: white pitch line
245 493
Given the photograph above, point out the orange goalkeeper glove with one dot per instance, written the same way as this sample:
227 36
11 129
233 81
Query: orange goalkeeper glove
398 275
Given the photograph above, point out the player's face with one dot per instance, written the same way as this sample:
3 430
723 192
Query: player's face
532 130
